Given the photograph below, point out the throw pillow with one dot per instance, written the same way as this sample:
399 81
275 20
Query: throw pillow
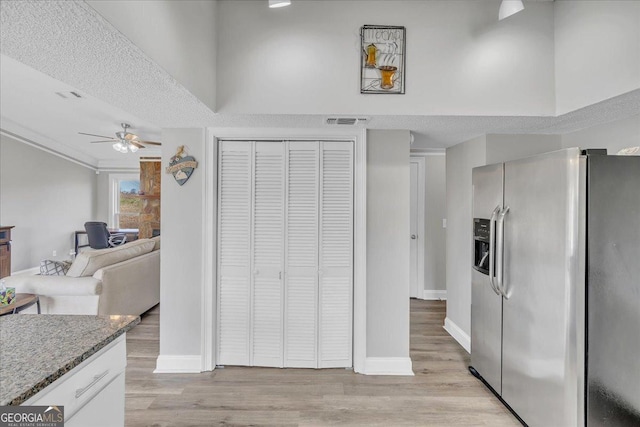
54 268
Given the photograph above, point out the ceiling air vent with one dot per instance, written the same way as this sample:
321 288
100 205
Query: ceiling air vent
346 121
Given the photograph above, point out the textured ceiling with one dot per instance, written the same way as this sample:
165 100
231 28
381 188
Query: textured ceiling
71 43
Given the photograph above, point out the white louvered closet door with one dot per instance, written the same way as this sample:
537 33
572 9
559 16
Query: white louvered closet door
268 254
301 279
336 255
285 248
234 252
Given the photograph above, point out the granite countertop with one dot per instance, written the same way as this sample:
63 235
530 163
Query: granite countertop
37 349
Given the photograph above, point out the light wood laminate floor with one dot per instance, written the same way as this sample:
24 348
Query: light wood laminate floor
442 392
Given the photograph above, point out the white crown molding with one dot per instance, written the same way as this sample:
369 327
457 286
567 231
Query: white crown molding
20 133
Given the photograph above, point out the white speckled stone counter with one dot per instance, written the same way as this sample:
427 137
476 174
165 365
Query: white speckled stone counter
37 349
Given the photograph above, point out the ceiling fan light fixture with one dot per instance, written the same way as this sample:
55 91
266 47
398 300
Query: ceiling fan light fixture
117 146
279 3
509 7
133 148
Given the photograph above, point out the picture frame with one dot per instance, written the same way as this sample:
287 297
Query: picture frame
382 63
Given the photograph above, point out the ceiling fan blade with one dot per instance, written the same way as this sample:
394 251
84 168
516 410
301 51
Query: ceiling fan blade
136 144
150 142
130 136
109 140
93 134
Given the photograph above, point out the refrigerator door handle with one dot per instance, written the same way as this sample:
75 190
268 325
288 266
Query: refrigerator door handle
500 253
492 249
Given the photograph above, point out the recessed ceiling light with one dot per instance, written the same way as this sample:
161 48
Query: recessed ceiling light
279 3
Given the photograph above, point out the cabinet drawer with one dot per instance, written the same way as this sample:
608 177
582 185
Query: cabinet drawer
77 387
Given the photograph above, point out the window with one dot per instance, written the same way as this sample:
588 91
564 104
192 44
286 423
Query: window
125 203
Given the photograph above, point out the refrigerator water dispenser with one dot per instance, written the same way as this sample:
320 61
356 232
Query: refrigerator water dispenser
481 245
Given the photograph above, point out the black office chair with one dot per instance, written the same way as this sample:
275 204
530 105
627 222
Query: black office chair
100 238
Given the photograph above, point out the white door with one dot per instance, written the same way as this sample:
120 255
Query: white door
268 254
416 228
301 270
336 254
285 285
234 252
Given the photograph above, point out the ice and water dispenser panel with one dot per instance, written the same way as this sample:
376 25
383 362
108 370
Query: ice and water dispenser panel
481 245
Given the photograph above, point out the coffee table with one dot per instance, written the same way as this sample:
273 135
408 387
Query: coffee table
19 303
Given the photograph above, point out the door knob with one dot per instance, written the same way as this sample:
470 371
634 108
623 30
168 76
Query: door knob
413 236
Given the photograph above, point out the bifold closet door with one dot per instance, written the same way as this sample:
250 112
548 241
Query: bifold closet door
301 284
285 253
268 254
319 255
251 247
335 269
235 183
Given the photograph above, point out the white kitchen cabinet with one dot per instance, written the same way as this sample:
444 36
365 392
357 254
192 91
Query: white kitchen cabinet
92 393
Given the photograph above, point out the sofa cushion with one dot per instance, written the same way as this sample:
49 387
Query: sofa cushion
156 240
89 262
54 268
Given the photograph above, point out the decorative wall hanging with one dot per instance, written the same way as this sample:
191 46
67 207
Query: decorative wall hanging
383 59
182 166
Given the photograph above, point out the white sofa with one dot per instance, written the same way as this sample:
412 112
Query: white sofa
120 280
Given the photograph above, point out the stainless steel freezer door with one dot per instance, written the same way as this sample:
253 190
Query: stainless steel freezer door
541 259
486 305
613 376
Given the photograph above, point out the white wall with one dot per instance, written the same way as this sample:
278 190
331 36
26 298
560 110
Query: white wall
460 58
461 159
180 36
613 136
182 267
46 198
182 233
388 180
597 51
102 199
502 148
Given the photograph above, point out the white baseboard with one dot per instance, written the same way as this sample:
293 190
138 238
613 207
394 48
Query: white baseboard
458 334
430 294
178 364
30 271
388 366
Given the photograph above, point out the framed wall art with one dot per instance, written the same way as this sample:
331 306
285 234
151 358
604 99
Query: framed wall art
382 67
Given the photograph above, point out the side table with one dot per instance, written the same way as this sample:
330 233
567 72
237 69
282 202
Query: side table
20 302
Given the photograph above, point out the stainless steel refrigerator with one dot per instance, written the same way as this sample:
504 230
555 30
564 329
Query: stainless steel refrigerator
555 311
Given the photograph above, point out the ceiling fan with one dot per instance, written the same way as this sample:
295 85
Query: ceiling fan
124 141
